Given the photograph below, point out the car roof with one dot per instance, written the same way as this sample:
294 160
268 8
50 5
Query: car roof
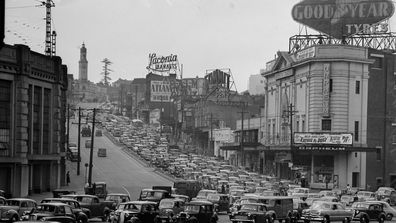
200 202
140 202
53 204
117 194
21 199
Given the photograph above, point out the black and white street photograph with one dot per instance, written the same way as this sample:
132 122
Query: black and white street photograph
197 111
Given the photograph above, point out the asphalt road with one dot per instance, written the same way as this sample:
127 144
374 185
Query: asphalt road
121 172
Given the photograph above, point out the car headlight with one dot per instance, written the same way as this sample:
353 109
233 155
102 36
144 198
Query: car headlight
43 219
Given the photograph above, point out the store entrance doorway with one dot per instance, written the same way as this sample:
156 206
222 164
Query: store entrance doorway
355 179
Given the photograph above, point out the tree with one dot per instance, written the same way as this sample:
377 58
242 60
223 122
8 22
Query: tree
106 71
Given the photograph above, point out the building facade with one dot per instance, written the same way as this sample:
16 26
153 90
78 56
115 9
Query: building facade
32 121
320 92
256 84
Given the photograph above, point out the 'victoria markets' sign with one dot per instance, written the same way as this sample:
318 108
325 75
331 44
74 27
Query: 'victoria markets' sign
323 138
339 18
163 64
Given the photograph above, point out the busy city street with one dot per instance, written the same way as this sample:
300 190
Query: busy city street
198 111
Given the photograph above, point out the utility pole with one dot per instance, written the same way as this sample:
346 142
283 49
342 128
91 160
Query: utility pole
242 134
211 144
68 125
92 146
79 142
290 112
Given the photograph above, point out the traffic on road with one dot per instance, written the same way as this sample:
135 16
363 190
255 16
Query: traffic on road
139 177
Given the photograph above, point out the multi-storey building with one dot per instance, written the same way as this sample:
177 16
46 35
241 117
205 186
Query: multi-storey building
32 121
315 96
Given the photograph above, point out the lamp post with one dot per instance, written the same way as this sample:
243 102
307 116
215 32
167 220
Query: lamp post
86 171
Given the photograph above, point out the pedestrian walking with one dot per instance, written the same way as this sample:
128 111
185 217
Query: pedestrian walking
67 178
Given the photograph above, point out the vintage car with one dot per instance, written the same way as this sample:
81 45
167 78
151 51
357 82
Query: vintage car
366 196
348 200
298 206
81 214
169 208
113 199
203 194
97 188
279 207
185 198
325 211
221 202
386 194
97 209
14 208
368 211
251 212
136 211
155 195
59 212
98 132
300 192
390 212
199 211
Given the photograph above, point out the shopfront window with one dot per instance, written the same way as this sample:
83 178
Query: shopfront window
323 169
5 114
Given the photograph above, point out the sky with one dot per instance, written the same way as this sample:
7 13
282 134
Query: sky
240 35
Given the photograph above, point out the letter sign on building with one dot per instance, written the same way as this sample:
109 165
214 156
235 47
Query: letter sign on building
342 18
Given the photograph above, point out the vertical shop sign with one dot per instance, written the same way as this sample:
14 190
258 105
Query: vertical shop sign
326 90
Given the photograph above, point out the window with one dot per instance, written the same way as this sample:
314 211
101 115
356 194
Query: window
357 87
378 62
356 131
37 120
303 125
5 114
297 126
46 121
378 153
331 85
326 124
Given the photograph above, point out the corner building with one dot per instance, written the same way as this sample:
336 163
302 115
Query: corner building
320 89
32 121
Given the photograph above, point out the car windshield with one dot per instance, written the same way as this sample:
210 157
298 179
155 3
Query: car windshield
45 208
133 207
213 197
191 208
249 207
13 203
319 205
299 190
166 204
361 205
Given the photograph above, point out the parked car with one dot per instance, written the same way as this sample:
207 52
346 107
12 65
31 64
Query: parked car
102 152
390 212
169 208
199 212
386 194
366 196
59 212
251 212
298 206
97 209
326 212
14 209
98 132
81 214
368 211
138 211
113 199
88 144
221 202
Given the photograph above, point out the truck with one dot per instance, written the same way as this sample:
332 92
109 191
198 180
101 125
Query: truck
86 131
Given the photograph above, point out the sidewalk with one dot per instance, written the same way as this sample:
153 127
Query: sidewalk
76 182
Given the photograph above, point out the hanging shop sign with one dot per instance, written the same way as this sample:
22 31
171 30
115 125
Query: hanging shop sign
163 63
343 18
323 138
160 91
326 90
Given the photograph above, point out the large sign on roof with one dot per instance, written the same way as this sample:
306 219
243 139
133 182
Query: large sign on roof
343 18
163 63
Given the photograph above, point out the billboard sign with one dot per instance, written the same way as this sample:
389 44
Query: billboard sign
163 63
343 18
323 138
160 91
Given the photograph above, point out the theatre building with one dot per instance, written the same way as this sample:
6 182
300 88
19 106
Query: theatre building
32 121
319 113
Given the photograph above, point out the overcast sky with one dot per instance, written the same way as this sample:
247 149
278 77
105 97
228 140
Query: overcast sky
205 34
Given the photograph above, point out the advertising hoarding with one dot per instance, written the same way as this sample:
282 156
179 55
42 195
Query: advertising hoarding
343 18
323 138
160 91
163 63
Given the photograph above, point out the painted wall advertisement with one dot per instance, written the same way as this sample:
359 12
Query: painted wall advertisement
160 91
323 138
